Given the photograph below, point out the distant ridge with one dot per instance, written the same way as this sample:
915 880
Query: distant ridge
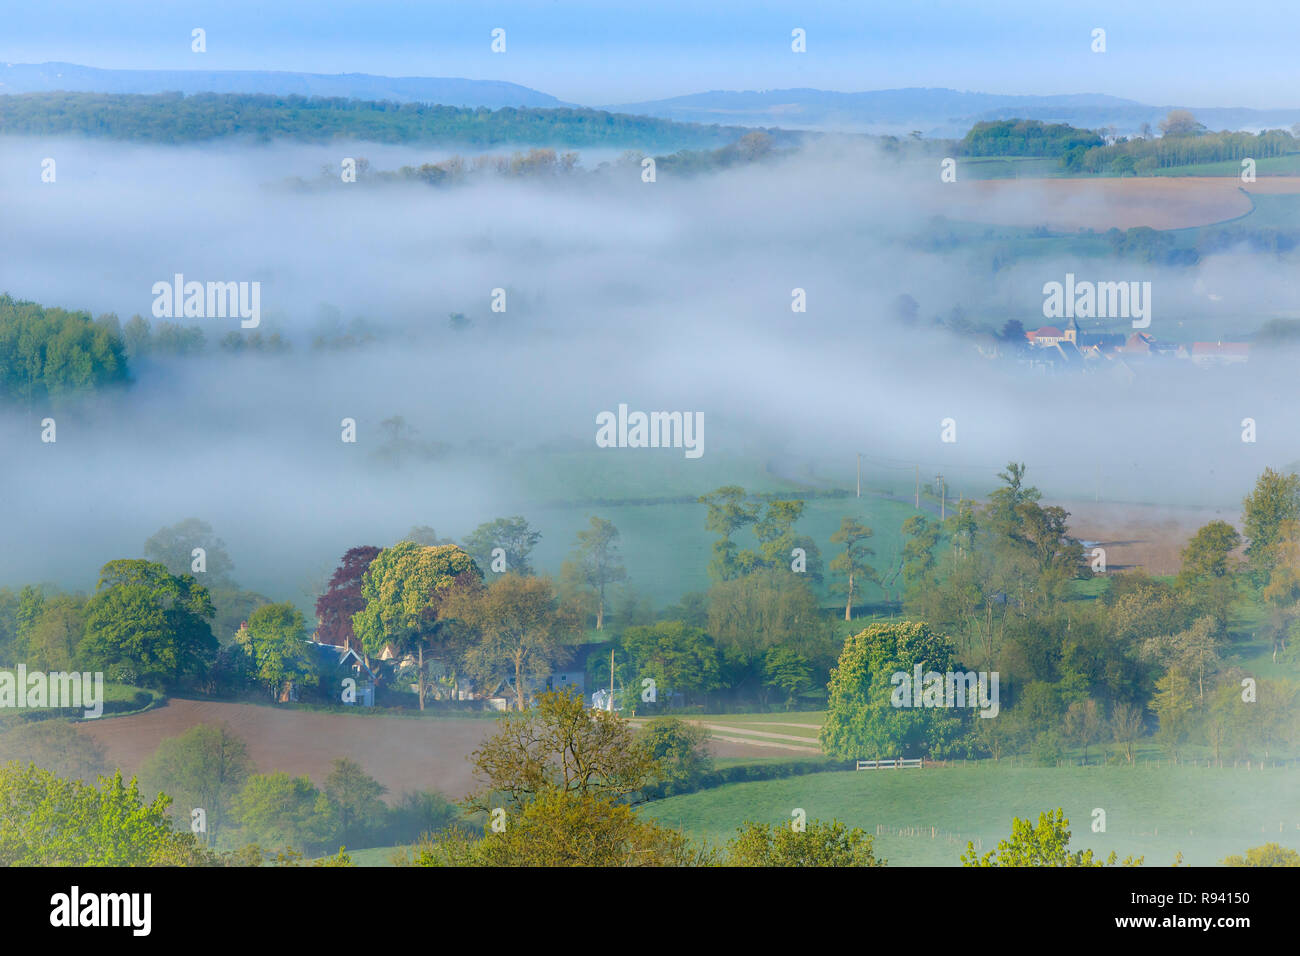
933 111
493 94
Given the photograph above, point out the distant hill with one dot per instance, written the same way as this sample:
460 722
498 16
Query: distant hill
935 112
49 77
178 118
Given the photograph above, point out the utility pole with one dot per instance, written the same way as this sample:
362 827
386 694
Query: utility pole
943 499
859 475
918 487
610 705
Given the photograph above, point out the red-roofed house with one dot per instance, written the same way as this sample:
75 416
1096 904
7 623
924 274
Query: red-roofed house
1047 335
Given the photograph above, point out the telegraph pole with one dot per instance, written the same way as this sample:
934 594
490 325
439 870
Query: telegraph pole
918 487
859 475
943 499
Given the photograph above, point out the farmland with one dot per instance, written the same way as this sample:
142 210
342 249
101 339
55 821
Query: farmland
1156 811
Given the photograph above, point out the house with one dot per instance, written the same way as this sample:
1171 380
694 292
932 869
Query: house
1045 336
340 663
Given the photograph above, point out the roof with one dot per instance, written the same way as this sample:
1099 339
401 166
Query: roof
1048 330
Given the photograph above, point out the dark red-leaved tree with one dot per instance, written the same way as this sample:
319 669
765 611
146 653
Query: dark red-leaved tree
342 599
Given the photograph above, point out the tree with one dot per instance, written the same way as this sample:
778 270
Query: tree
1173 706
342 600
1180 123
1047 844
355 800
204 767
729 511
819 844
777 540
1083 724
764 609
1194 651
852 562
173 547
1274 501
1126 726
564 828
54 745
50 821
53 639
1206 575
677 657
275 639
679 751
519 628
148 625
918 550
424 535
512 535
905 309
789 671
559 744
861 720
405 588
1270 854
1282 591
598 561
277 810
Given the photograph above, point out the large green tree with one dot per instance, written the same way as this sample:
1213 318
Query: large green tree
1274 501
275 640
676 656
405 587
145 624
861 719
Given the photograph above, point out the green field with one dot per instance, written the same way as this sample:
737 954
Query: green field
1155 811
665 544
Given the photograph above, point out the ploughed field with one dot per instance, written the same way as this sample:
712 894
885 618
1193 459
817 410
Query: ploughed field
1069 205
403 753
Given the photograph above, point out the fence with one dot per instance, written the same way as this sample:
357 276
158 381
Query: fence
894 764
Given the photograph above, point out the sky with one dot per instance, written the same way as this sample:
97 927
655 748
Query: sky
1192 52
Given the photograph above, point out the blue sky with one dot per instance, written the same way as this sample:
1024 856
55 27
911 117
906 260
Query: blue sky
1188 53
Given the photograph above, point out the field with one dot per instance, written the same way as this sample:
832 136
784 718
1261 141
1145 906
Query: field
1156 811
403 753
1101 204
662 535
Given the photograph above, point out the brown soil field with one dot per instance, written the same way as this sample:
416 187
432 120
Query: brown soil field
1161 202
401 753
1141 536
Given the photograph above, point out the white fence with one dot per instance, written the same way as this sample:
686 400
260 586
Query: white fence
895 764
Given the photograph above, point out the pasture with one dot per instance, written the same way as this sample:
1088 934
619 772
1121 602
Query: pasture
1151 810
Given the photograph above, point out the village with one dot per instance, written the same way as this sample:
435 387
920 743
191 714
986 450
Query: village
1049 349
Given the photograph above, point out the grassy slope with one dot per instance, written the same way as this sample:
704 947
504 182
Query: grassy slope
1152 811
